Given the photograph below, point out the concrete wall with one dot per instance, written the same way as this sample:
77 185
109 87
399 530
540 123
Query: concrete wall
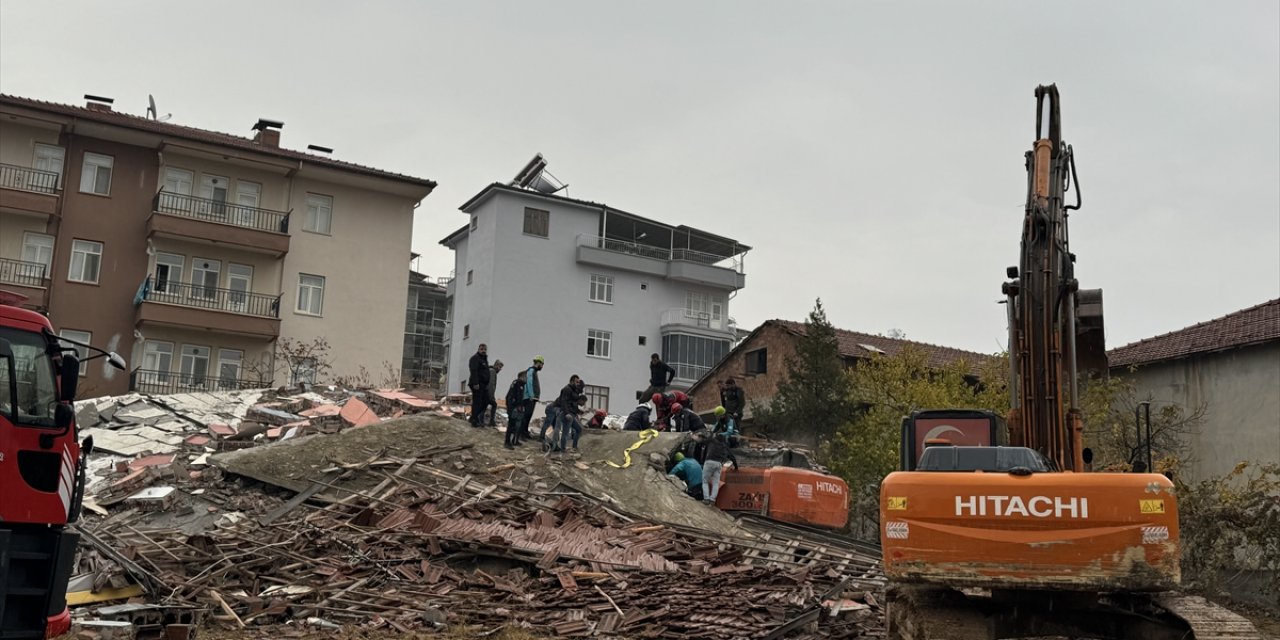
530 296
1240 389
18 143
12 229
759 388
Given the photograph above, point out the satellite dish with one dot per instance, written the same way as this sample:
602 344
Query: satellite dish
151 106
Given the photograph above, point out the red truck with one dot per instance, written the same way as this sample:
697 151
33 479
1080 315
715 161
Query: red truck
42 470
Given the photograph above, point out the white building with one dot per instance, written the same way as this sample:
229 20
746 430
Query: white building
593 289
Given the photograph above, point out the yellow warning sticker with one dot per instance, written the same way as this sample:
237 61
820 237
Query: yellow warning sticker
897 504
1151 506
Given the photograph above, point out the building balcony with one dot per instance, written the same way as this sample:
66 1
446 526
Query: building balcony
168 382
210 308
683 320
27 279
29 191
214 221
684 265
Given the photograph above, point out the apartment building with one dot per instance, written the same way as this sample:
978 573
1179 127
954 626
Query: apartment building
194 253
592 288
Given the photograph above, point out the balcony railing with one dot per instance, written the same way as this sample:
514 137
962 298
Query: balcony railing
27 274
13 176
222 212
214 299
657 253
700 319
168 382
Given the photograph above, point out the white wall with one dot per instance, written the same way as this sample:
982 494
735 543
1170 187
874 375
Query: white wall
529 296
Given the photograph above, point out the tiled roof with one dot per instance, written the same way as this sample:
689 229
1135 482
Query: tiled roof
1250 326
863 345
203 135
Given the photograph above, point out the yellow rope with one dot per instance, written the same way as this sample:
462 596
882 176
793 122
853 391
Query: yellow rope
645 436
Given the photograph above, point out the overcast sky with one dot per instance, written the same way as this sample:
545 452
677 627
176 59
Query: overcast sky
872 153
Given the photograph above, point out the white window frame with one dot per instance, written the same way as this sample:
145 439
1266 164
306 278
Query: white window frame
174 264
46 155
189 379
310 295
230 357
248 201
319 210
202 288
82 250
601 342
90 173
601 289
154 352
597 396
303 371
81 352
38 248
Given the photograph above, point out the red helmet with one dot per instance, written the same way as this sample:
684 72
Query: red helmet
600 413
657 399
681 397
677 408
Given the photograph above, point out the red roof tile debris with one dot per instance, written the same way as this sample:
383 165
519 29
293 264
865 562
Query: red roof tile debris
203 135
358 414
1255 325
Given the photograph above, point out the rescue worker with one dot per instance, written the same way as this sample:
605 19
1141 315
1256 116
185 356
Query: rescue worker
734 400
683 399
660 375
566 401
515 412
491 405
479 384
532 393
638 419
724 424
688 470
684 419
597 419
661 410
717 453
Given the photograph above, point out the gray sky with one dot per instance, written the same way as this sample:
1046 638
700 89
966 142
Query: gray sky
871 151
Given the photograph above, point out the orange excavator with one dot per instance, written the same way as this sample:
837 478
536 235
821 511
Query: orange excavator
998 529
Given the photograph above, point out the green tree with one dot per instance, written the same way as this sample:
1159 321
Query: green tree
814 394
886 388
1110 429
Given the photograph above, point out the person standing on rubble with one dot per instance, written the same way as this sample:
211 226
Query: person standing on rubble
532 393
491 406
515 411
660 375
638 419
734 401
479 384
556 410
571 406
717 453
690 471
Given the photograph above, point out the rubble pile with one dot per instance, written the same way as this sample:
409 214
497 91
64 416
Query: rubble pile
422 523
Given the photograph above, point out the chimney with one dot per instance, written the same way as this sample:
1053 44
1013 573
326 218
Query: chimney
268 133
98 103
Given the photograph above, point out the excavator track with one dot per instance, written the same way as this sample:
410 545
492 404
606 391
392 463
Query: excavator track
1207 620
929 613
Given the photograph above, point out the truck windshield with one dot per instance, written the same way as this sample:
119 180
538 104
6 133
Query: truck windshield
29 402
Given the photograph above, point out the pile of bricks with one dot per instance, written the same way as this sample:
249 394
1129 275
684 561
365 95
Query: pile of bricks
404 544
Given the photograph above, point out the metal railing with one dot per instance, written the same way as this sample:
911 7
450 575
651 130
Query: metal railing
214 299
689 255
700 319
222 212
27 274
13 176
168 382
658 253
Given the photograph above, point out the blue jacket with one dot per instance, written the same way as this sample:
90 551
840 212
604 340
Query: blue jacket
688 470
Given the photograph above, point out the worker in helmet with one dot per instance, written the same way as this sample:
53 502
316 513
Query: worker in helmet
662 410
683 399
690 471
724 422
597 419
684 419
638 419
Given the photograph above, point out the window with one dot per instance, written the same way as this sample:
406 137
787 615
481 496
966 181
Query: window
757 361
194 365
644 286
304 370
48 158
692 356
310 294
469 274
466 331
95 175
537 222
81 352
245 211
86 261
239 284
229 361
213 190
168 272
319 213
38 248
175 195
598 343
597 397
157 361
601 289
707 310
204 278
643 340
475 222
